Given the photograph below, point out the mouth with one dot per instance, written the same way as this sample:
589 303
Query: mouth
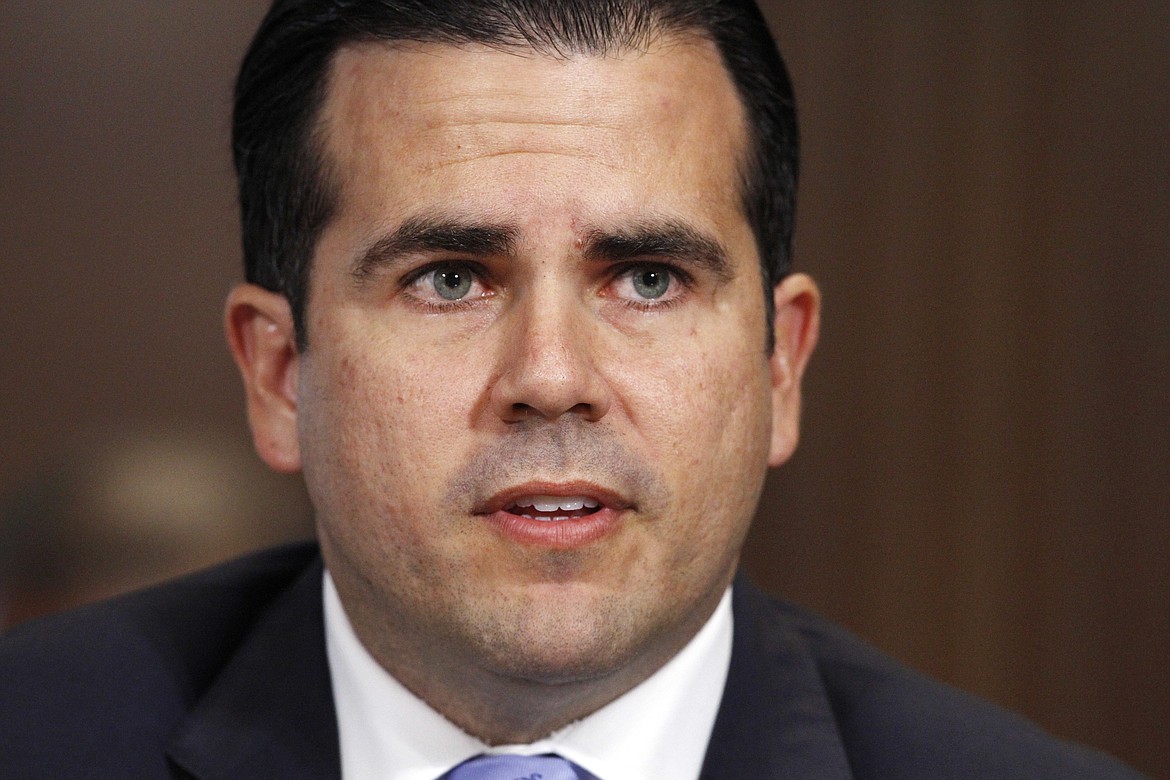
554 509
557 516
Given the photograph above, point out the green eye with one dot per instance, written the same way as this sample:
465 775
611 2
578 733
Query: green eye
651 282
452 282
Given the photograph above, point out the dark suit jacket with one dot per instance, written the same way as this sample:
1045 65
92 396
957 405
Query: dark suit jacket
224 675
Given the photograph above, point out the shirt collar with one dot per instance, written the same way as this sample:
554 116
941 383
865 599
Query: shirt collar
658 729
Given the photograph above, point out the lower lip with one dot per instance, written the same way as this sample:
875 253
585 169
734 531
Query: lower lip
555 534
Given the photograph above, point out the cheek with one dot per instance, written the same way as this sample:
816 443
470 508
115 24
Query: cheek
362 416
707 426
381 394
703 391
702 410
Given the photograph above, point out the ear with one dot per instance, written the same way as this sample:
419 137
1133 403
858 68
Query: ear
796 327
262 339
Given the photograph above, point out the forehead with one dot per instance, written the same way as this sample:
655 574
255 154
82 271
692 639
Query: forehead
409 125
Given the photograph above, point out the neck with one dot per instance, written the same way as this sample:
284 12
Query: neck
504 712
502 706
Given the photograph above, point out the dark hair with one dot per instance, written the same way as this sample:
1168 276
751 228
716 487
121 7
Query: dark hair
286 192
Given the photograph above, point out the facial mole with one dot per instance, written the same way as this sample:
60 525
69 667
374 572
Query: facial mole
349 371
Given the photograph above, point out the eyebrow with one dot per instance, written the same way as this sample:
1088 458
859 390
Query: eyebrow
434 234
666 239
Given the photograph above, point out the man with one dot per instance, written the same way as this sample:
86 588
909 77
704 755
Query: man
520 309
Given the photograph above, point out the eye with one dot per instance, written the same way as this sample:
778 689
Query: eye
451 282
649 285
650 282
448 283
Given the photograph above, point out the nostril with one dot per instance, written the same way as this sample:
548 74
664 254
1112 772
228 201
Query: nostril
525 392
522 411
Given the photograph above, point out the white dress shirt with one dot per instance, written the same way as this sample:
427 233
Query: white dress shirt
659 729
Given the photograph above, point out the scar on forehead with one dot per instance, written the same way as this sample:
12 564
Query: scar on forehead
472 154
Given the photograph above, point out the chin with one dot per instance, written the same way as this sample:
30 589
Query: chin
554 645
561 664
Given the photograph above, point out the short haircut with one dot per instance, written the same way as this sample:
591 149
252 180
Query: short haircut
286 194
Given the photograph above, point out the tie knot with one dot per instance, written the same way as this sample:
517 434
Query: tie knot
509 767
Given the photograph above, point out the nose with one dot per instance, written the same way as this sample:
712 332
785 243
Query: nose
548 365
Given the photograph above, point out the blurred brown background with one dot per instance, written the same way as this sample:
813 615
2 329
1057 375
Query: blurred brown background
983 485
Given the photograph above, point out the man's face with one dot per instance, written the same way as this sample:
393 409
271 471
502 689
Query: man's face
536 408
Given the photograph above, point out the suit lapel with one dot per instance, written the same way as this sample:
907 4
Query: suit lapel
775 720
270 712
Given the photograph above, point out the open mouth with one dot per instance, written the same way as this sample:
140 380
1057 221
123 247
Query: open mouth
556 515
554 508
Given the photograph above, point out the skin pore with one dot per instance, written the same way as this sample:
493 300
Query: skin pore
538 288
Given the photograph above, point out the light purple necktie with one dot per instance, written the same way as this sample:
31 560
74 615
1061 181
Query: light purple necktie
508 767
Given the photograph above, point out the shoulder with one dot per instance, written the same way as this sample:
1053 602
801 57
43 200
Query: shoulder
115 678
895 722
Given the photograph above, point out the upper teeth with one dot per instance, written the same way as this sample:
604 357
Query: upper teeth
558 503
